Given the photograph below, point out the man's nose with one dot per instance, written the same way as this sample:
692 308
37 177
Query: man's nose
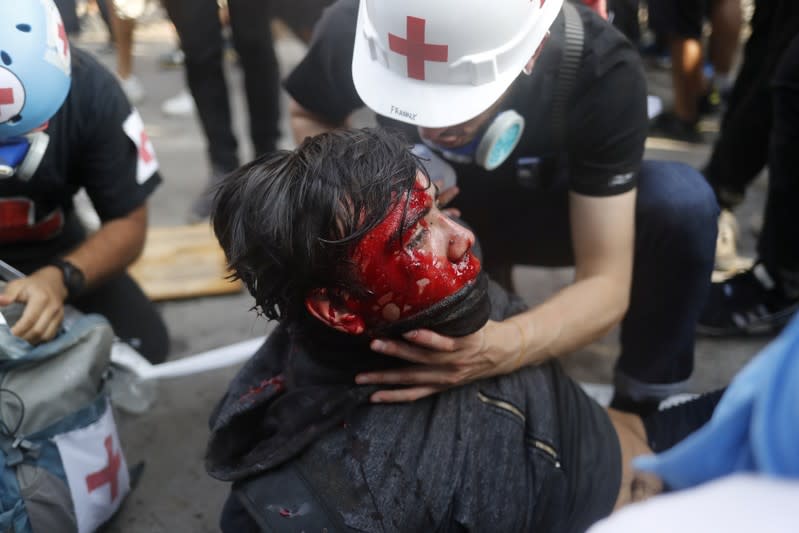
435 134
460 241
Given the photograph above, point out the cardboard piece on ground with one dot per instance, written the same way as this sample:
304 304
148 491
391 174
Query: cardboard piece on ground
182 262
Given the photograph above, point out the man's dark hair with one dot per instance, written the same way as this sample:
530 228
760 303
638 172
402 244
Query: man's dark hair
289 220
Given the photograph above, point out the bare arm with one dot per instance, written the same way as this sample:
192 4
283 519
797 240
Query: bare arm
111 248
304 123
105 253
603 236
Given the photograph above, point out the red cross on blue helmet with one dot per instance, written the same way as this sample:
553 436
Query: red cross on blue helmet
440 63
34 65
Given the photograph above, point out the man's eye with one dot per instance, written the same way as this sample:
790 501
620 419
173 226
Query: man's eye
417 238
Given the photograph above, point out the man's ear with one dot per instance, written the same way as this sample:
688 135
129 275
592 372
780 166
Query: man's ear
334 315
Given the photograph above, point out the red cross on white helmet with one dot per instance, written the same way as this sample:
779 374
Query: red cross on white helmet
439 63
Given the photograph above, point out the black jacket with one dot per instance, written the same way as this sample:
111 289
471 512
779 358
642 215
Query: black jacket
489 456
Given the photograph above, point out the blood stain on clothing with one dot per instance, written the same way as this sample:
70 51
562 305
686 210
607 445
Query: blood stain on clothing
278 382
287 512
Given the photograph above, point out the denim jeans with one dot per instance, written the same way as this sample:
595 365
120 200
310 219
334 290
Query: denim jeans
675 220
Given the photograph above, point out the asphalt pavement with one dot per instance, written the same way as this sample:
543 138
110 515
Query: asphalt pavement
174 494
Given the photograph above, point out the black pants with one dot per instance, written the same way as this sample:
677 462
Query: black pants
666 428
102 6
778 245
742 148
200 33
625 18
69 16
133 316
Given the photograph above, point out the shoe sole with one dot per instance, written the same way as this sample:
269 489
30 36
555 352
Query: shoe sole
773 326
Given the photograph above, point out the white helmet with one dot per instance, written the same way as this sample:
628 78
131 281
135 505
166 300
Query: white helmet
436 63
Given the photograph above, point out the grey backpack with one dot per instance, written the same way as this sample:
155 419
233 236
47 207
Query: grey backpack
61 465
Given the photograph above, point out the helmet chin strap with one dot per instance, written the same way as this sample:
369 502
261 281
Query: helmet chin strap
492 147
21 156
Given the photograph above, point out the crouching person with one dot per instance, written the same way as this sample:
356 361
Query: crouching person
342 241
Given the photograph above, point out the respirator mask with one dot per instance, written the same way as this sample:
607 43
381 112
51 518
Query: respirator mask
21 156
492 146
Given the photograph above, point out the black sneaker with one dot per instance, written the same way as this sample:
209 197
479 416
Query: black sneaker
671 126
710 103
749 303
657 55
200 209
642 408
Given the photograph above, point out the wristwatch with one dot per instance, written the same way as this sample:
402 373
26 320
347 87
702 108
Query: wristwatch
74 280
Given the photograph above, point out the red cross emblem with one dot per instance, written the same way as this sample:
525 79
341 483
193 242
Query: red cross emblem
18 221
62 34
6 97
144 153
415 49
108 474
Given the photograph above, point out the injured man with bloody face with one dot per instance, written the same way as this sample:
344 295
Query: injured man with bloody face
342 241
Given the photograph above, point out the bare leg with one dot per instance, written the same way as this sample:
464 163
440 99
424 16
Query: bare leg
726 19
687 77
635 486
123 36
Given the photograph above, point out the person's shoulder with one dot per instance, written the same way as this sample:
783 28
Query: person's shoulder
605 48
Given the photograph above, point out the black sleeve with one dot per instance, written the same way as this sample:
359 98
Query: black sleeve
608 123
322 81
117 175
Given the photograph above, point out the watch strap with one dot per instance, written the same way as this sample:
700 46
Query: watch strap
74 278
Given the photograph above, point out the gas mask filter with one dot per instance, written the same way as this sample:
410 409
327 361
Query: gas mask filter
21 156
490 149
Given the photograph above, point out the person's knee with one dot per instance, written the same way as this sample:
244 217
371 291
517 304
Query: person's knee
155 341
133 316
255 47
677 202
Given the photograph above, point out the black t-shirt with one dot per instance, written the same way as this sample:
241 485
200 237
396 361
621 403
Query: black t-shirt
606 122
97 142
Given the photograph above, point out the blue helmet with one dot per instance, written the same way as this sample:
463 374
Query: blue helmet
34 65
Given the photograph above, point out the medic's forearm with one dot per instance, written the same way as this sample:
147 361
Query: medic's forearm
572 318
304 123
112 248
